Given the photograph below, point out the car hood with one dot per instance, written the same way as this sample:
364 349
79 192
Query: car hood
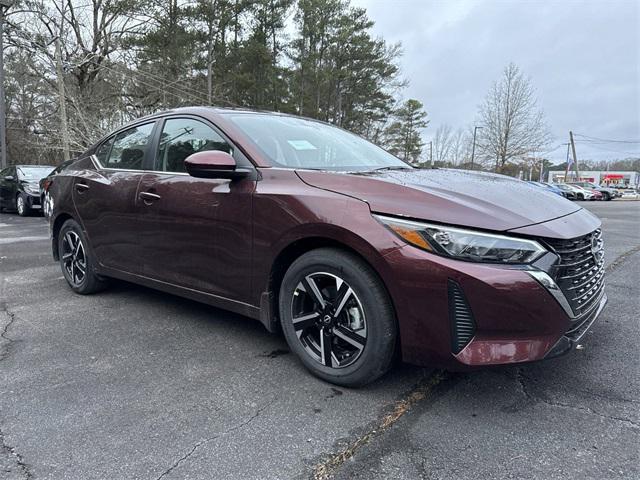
456 197
32 183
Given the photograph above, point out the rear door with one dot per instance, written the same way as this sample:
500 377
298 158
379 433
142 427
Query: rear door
195 232
105 198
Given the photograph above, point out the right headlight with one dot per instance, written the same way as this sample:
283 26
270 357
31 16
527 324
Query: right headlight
463 244
32 189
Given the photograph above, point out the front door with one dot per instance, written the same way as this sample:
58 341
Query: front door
195 232
105 198
8 187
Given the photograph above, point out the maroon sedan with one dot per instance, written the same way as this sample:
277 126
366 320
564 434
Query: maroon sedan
355 255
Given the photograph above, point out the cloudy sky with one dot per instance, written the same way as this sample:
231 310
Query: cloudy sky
583 58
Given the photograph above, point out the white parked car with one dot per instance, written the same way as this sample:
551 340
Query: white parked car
581 193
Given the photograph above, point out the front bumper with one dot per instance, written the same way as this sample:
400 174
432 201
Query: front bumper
33 201
516 318
572 339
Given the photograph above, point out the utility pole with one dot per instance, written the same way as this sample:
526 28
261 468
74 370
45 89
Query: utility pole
575 158
473 147
4 6
64 128
566 170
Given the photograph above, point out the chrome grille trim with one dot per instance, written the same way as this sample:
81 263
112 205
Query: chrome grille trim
579 273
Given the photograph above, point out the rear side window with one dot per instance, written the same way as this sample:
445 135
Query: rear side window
182 137
129 148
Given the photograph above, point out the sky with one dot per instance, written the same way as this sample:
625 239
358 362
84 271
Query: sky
583 59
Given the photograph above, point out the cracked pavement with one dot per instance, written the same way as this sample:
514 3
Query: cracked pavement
133 383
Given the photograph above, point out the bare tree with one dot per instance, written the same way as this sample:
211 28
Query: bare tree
513 126
460 151
442 144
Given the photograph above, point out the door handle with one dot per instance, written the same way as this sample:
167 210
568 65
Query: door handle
149 197
81 187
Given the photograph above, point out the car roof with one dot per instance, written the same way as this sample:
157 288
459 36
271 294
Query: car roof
209 110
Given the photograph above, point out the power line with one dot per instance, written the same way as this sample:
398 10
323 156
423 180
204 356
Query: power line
171 90
603 140
626 152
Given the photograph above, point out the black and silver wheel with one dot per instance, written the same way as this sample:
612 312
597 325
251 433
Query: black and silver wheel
76 260
47 204
337 317
21 206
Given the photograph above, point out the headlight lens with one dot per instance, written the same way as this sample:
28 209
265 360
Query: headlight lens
465 244
32 189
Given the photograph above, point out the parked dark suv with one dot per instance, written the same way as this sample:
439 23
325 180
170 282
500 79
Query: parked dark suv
19 189
354 254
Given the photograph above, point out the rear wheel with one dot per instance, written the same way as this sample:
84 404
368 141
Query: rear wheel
337 317
76 260
22 206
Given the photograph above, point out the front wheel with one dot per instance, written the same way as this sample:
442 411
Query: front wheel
337 317
76 260
21 206
580 196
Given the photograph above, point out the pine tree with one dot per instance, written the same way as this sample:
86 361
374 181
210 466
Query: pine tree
403 136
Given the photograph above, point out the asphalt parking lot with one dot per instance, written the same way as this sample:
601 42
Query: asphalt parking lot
133 383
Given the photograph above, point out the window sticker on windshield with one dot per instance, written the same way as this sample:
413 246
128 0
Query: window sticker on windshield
301 145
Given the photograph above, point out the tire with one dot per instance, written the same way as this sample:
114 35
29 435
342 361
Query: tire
606 197
22 206
580 196
360 330
79 270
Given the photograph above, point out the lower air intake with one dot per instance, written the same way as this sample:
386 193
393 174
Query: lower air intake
463 327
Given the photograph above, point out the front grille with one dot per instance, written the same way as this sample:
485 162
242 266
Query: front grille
463 326
580 272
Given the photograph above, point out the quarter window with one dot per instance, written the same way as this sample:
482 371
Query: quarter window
182 137
129 148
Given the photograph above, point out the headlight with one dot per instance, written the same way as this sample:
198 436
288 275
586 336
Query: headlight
464 244
32 189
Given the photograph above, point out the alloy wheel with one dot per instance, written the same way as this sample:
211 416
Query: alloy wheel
20 205
329 320
47 205
74 258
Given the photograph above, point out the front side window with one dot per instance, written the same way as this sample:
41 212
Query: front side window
182 137
299 143
129 148
102 152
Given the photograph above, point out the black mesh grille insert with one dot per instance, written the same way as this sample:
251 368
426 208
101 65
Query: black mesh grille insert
463 327
580 273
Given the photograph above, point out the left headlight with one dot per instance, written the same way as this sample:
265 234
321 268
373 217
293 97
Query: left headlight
32 189
464 244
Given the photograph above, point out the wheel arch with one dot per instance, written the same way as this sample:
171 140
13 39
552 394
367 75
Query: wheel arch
295 249
56 225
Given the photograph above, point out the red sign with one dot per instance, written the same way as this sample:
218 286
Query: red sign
613 176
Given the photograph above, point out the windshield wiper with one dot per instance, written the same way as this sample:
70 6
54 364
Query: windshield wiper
393 167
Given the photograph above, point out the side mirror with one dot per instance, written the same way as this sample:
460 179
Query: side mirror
9 178
213 164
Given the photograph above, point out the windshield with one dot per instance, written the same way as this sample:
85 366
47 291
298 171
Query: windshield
31 174
298 143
